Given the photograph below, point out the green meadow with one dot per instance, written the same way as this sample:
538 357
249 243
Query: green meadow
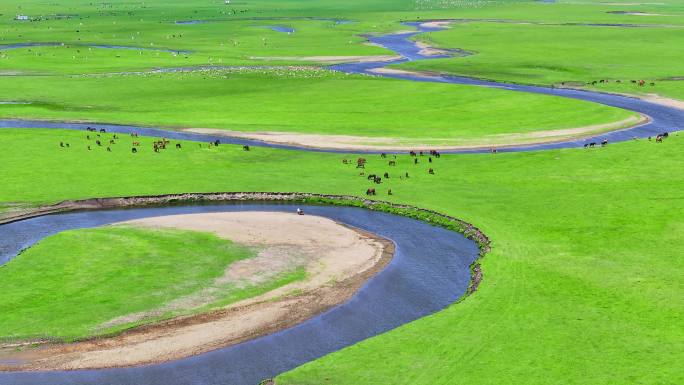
63 287
583 280
583 283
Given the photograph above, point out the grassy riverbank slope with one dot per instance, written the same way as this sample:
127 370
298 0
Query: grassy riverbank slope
582 283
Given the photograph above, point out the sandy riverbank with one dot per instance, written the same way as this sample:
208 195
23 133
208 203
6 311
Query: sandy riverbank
337 259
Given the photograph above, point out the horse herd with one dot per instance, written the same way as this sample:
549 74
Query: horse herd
377 179
157 145
161 144
640 82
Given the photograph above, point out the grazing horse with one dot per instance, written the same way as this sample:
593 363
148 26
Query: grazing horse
370 191
361 163
386 175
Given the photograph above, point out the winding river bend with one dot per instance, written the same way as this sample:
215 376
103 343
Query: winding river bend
429 271
662 118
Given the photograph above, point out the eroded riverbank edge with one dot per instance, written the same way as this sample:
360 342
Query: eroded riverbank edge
429 216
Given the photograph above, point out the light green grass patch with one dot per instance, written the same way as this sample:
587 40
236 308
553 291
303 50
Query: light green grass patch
308 101
73 284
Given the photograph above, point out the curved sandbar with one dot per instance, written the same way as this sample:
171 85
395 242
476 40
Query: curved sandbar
337 260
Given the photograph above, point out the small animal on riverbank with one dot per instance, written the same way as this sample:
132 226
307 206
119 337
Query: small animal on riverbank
370 191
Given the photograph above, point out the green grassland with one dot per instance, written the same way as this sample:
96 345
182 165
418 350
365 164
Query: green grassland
304 101
545 51
551 54
583 283
70 285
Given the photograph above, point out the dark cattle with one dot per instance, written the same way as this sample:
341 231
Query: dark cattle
377 180
386 176
98 143
109 149
67 144
604 142
493 150
431 171
61 144
392 163
389 192
102 130
586 145
429 160
592 144
412 153
415 161
361 163
659 139
217 142
89 148
245 148
371 176
111 141
665 134
178 145
406 176
370 191
134 150
383 155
